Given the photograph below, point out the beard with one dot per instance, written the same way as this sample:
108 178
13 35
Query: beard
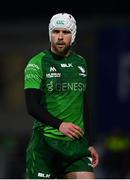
61 48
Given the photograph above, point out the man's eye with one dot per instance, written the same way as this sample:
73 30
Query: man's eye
55 31
66 32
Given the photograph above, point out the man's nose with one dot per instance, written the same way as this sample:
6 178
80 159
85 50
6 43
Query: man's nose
60 35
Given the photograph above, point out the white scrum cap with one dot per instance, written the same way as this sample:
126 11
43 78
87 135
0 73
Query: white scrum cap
63 20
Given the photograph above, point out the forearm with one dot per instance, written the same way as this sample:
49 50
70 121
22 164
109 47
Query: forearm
34 108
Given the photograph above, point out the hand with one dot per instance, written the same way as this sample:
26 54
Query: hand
95 156
71 130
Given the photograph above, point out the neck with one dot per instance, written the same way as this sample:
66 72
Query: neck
64 54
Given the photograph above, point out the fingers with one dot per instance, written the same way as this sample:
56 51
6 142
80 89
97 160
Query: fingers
95 163
70 135
71 130
76 132
95 160
94 155
73 135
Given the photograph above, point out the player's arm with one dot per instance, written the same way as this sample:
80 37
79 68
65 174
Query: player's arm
34 76
34 108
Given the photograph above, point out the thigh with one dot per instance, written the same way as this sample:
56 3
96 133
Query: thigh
80 175
79 159
39 158
82 165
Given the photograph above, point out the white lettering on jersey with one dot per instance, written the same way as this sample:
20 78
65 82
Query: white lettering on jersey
66 65
66 86
43 175
50 75
33 66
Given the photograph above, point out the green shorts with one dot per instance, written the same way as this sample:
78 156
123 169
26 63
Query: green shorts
53 158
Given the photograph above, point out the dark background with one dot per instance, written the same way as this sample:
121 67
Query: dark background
40 9
103 37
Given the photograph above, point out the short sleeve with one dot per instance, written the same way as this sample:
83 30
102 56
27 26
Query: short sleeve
33 73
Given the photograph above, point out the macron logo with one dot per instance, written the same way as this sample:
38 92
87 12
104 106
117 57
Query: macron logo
52 69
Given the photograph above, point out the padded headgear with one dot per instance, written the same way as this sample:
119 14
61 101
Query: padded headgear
63 20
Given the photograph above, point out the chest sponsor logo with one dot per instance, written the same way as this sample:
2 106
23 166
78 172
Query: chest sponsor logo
82 71
65 86
66 65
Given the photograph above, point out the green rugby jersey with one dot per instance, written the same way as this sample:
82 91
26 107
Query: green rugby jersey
63 83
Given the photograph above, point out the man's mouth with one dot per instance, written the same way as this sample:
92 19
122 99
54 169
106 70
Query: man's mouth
60 43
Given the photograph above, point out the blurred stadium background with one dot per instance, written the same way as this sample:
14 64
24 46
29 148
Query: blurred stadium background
103 37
